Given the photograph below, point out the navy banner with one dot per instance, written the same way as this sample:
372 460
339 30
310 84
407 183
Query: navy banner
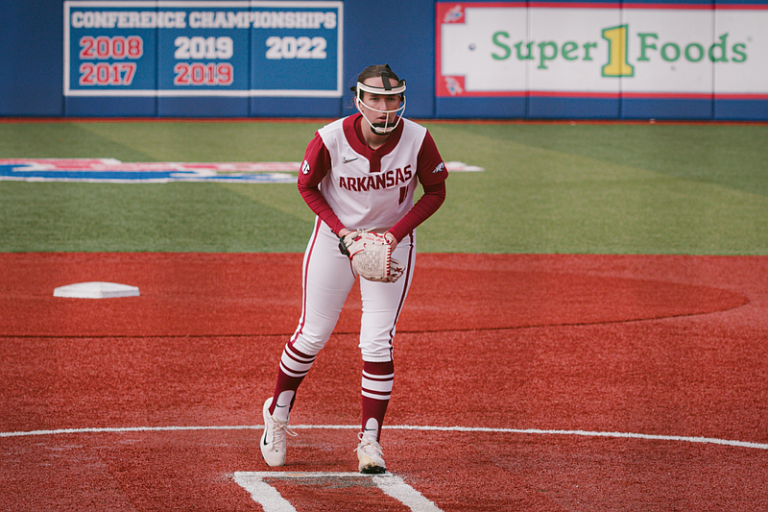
203 48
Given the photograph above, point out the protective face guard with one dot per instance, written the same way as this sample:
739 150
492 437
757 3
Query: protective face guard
386 90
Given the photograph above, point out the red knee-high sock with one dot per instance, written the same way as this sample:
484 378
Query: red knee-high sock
376 390
294 366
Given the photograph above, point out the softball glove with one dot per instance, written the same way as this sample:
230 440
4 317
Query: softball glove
371 256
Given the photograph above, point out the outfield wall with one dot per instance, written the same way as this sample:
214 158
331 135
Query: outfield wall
247 58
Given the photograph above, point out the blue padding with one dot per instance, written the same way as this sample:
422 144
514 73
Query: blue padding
407 45
666 108
75 106
480 108
573 108
295 107
31 42
741 110
202 107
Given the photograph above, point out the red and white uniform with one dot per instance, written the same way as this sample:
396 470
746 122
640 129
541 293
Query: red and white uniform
367 188
348 185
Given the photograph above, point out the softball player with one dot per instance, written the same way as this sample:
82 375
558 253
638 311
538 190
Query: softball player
359 172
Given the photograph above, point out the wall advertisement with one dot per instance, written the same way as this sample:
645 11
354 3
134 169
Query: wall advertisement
601 50
203 48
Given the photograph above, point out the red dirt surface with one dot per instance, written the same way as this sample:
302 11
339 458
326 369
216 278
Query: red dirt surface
260 294
665 345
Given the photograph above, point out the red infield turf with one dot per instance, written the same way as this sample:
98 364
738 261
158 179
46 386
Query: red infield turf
523 382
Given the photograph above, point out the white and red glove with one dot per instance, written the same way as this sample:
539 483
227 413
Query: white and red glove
371 256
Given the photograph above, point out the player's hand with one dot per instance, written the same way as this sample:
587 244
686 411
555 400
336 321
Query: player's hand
392 240
389 236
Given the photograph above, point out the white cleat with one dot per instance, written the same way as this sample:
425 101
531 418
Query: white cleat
370 456
273 442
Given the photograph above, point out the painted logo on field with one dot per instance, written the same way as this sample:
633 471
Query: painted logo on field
107 170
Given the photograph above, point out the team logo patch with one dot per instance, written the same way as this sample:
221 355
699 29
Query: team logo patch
305 167
439 168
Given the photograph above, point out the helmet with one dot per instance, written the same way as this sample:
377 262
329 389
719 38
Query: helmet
387 77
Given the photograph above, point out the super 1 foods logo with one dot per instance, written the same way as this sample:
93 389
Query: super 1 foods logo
487 50
617 60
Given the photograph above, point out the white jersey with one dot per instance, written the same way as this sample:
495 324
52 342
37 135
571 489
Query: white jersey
366 193
368 188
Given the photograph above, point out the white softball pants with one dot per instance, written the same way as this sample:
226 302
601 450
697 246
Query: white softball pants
328 278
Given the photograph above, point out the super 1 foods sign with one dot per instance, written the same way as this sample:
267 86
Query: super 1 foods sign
601 50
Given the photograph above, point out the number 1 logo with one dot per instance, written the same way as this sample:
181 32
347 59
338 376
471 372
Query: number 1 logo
617 52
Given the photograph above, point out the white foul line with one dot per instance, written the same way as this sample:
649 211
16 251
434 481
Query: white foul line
583 433
262 493
272 501
395 487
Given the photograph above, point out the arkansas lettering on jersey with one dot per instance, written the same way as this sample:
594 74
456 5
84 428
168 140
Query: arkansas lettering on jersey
377 181
369 188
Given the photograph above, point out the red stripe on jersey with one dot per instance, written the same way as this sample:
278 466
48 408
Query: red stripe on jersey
353 131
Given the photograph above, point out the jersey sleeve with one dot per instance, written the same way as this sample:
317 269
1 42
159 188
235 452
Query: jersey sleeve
431 169
432 175
433 198
316 164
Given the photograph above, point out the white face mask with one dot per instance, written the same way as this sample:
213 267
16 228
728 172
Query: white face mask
387 126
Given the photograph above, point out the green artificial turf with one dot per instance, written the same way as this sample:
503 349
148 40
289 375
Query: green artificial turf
546 188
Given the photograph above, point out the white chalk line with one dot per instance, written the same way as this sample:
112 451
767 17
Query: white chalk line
530 431
271 501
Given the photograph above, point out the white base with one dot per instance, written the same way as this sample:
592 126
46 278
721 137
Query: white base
96 290
462 167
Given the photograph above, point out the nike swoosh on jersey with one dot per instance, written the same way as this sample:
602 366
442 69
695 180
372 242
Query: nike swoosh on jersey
347 160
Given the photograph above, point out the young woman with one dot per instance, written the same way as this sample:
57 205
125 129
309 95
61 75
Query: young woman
359 172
